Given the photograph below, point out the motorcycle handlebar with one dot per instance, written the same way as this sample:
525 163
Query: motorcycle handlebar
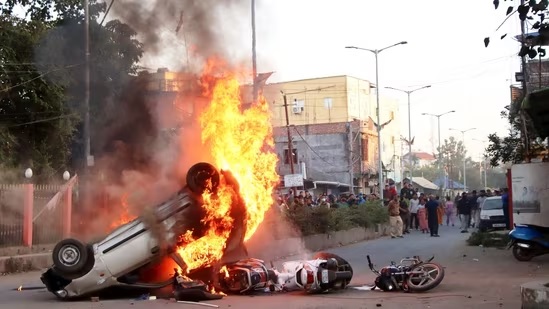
369 261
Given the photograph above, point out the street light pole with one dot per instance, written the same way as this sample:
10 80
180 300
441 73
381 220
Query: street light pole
409 92
483 156
378 124
464 155
442 179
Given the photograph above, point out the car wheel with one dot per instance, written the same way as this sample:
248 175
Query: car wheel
199 177
70 257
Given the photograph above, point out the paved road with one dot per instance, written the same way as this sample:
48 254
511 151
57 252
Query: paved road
475 278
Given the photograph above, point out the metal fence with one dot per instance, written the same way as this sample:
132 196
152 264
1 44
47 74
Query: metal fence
47 221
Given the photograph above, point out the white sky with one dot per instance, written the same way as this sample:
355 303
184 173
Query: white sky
306 39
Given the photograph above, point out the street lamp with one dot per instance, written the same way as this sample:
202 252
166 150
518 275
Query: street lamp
484 161
28 173
378 124
439 146
66 175
464 156
409 92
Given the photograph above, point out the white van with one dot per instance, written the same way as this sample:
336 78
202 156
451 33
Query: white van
491 214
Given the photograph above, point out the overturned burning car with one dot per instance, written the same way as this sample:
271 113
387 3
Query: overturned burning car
81 269
118 260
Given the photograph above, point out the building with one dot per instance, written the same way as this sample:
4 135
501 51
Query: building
322 110
420 159
172 97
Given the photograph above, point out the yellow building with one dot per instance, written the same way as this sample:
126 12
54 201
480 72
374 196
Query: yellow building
338 99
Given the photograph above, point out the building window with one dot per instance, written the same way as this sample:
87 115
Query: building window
286 158
328 103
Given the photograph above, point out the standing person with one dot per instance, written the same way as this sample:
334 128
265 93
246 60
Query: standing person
414 207
464 211
505 204
432 215
394 218
474 208
480 200
449 210
422 217
440 210
404 215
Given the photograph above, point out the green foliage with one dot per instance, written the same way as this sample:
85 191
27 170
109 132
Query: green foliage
42 80
487 239
521 139
321 220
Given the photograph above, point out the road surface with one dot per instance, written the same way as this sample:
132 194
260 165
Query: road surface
475 278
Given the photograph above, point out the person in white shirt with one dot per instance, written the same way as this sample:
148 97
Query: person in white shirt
414 206
480 200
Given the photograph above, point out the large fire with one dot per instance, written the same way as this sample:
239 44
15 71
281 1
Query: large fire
125 215
237 140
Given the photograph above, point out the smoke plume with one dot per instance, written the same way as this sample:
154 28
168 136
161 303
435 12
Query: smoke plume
185 32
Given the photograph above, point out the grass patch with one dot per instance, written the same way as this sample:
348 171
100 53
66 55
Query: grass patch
488 239
321 220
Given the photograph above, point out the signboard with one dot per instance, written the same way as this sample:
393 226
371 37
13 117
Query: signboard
530 193
293 180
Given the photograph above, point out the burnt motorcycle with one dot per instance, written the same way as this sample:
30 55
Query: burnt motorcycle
324 272
411 275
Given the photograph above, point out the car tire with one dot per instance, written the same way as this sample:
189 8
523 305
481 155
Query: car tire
71 257
199 175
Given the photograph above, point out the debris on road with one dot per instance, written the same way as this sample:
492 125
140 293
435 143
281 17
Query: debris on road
197 303
94 299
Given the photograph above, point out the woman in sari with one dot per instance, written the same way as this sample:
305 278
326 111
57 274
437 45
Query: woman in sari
440 210
422 217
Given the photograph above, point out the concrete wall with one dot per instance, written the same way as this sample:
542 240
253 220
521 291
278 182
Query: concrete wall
327 161
273 249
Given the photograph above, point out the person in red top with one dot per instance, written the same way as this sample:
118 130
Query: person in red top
392 191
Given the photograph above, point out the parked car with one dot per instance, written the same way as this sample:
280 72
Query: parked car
491 214
80 269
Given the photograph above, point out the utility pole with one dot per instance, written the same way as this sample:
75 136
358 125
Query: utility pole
254 55
525 76
351 164
290 146
87 152
464 155
409 141
485 172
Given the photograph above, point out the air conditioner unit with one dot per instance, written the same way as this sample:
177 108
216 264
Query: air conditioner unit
297 109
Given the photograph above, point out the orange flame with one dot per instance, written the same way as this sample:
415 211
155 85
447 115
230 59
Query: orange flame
237 140
125 215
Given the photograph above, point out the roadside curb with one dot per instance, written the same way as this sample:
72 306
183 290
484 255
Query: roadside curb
535 295
23 263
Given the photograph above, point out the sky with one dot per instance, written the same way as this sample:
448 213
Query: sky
306 39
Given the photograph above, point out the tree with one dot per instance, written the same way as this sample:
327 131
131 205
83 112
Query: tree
521 139
36 128
452 153
41 65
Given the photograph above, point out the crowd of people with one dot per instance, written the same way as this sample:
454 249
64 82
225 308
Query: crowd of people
411 210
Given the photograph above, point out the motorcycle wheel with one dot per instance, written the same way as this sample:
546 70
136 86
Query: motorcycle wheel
523 254
341 262
432 276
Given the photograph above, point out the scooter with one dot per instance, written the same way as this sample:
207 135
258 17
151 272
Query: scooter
529 241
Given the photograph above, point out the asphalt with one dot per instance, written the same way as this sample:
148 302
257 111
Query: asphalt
476 277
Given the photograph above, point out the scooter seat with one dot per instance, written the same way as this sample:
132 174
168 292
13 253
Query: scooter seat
544 230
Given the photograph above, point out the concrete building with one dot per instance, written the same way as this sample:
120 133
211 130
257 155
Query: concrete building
321 110
419 158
